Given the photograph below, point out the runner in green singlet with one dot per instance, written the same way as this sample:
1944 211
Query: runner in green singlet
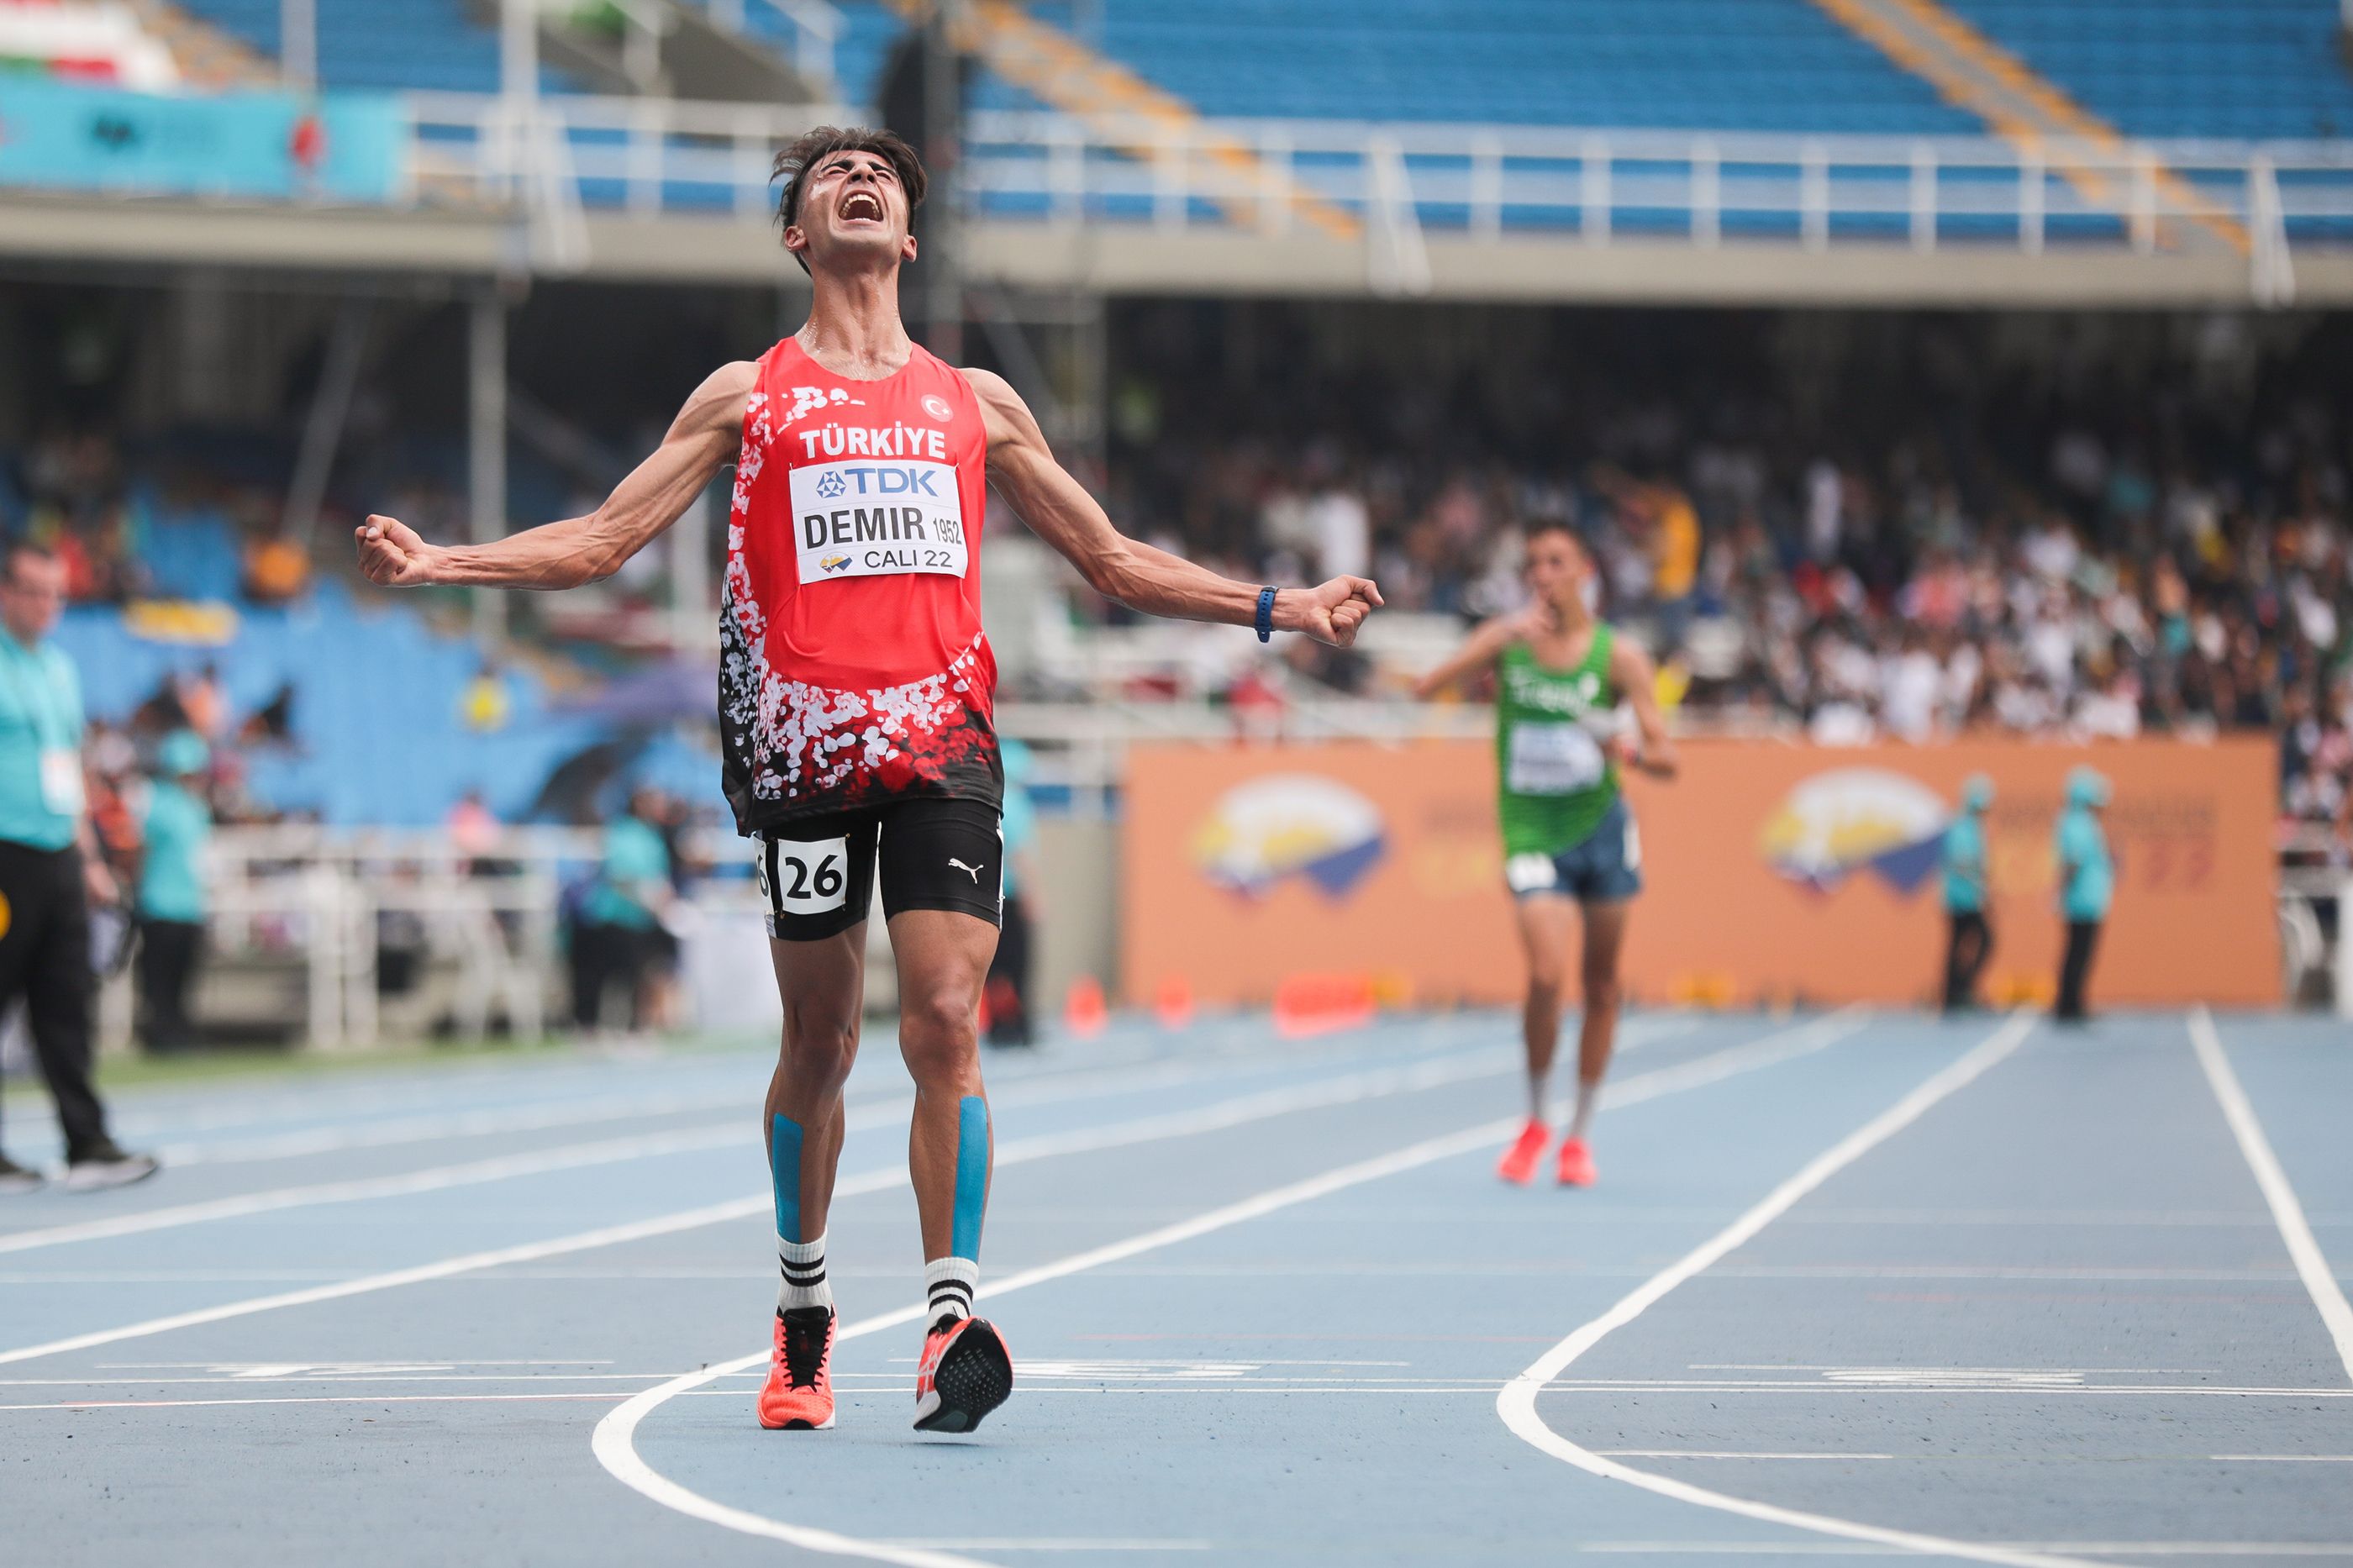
1561 675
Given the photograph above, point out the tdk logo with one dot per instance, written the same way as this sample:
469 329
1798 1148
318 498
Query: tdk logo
843 479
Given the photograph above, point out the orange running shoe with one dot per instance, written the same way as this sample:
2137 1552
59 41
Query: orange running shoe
1518 1165
798 1394
967 1372
1575 1164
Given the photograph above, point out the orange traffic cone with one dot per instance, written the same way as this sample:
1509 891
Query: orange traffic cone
1318 1003
1084 1012
1173 1004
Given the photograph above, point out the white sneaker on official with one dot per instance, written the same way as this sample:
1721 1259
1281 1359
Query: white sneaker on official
100 1169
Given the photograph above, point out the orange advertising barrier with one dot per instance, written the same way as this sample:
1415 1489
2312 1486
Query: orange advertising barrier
1773 873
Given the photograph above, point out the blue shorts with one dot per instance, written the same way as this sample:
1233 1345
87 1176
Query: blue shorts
1604 868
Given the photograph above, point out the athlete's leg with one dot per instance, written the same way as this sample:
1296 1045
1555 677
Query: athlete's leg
817 887
1605 938
943 961
1605 935
823 985
1545 922
942 882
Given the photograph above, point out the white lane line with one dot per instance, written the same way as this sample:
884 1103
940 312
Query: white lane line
573 1156
2106 1547
2284 1458
439 1127
1942 1391
615 1441
1517 1402
432 1179
1220 1115
1053 1544
1040 1084
2336 1314
1723 1454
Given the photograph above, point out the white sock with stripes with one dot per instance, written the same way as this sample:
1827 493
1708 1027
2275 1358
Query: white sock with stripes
948 1286
804 1283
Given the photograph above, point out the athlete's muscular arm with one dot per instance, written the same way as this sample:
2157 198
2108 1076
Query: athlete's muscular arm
1631 671
578 550
1059 511
1484 646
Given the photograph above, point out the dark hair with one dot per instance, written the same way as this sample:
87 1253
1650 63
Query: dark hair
1555 525
809 149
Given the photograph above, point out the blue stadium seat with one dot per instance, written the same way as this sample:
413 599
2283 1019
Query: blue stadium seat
367 751
1752 65
383 43
2228 69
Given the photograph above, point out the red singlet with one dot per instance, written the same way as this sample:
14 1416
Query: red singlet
853 668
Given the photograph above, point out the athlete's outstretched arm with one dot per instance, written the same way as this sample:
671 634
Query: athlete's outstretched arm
1632 673
1059 511
1477 654
578 550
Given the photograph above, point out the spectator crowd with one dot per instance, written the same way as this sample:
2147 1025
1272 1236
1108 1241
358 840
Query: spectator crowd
1911 553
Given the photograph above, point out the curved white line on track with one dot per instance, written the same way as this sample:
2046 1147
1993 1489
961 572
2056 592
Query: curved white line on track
615 1441
1517 1402
2311 1264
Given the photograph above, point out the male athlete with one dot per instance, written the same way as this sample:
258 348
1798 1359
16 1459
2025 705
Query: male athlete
856 695
1560 674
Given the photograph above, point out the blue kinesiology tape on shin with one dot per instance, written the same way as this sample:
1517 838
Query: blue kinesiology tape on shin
785 1171
972 1175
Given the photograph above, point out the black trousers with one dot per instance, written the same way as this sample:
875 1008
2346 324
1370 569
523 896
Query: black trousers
2075 968
603 956
168 952
45 960
1009 979
1966 947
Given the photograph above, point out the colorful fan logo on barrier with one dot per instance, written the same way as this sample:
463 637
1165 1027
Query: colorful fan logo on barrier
1837 823
1288 825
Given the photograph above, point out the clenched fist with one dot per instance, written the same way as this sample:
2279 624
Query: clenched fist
392 554
1331 612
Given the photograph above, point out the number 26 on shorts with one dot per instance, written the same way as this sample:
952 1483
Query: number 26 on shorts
806 878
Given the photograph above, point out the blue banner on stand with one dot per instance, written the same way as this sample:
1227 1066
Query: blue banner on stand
342 147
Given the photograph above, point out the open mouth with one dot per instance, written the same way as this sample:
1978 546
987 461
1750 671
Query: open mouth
860 205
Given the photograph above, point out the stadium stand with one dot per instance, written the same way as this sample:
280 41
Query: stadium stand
1757 64
2252 69
382 44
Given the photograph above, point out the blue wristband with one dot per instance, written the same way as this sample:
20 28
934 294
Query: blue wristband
1265 615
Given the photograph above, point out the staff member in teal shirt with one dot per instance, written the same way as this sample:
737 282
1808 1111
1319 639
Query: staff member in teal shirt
620 935
1969 942
2087 884
174 829
49 871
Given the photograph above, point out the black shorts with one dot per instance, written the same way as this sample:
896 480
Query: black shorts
816 875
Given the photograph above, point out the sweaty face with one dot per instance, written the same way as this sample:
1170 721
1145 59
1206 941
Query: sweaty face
851 206
1556 567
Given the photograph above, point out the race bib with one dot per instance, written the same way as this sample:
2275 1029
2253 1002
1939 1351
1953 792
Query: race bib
1531 873
61 781
1553 759
877 518
810 879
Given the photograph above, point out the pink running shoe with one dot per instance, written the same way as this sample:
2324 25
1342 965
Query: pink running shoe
1575 1164
1518 1165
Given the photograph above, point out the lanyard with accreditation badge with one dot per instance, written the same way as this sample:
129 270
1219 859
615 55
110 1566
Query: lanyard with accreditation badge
61 789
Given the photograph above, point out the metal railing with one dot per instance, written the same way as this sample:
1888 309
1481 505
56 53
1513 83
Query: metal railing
1407 184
